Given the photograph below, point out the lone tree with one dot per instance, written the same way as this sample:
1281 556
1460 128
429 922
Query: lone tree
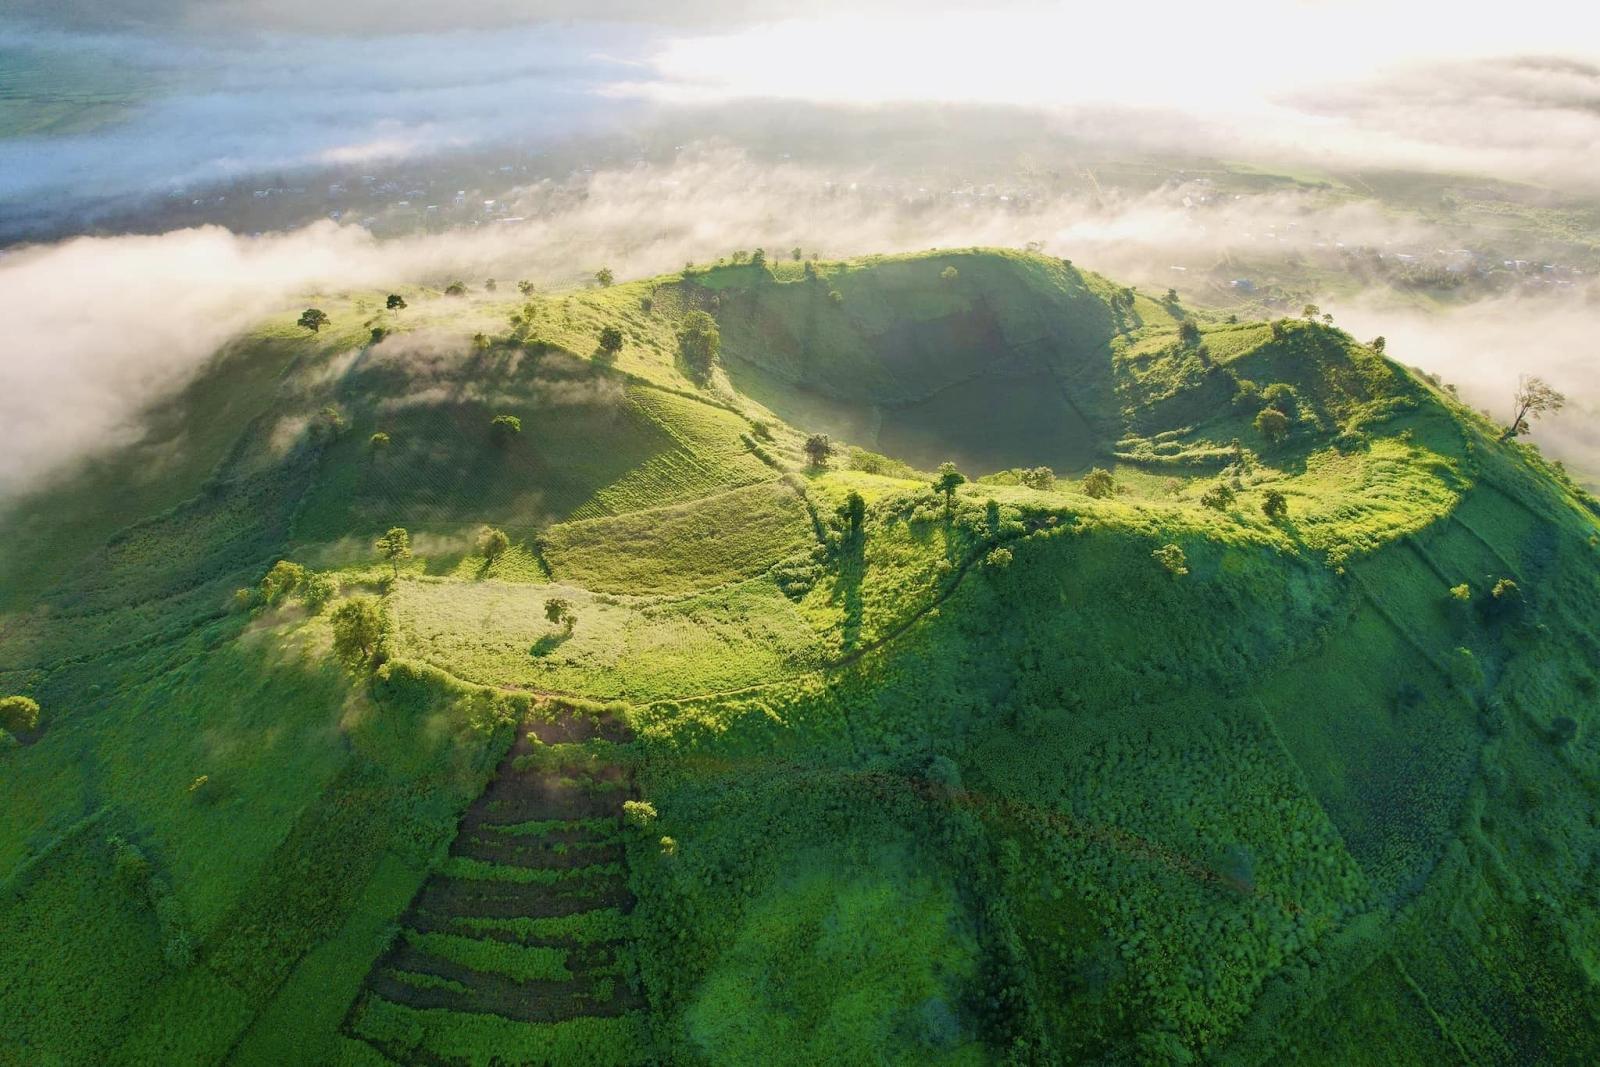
281 581
1219 496
358 629
378 441
396 302
1042 478
1534 397
818 449
1188 332
394 546
525 287
946 480
18 713
558 609
1379 343
1099 484
610 340
492 543
456 289
949 274
1274 504
1172 559
854 513
604 277
313 319
504 428
1311 311
1272 424
699 343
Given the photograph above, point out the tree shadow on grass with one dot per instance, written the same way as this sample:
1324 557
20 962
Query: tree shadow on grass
549 643
846 591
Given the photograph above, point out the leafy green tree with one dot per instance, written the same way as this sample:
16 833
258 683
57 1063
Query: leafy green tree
1274 504
758 258
503 429
998 558
394 546
456 289
378 441
1281 395
818 448
1099 484
1272 424
1280 329
1247 395
605 277
559 611
18 713
1534 397
396 302
1041 478
1189 332
313 319
795 253
377 335
949 274
316 590
281 582
1218 496
1172 559
854 513
1172 296
359 627
1310 311
610 340
1380 343
947 479
640 813
492 543
699 343
329 425
835 296
525 288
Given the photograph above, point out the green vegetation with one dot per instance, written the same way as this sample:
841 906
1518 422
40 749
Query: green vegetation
990 665
314 319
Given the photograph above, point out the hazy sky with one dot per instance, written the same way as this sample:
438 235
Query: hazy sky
245 85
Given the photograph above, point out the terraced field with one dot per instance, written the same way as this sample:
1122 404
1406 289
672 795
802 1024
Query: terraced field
520 939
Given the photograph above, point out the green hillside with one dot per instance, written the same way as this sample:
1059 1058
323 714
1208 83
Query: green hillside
1232 738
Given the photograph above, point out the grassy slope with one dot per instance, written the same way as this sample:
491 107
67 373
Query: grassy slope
1068 805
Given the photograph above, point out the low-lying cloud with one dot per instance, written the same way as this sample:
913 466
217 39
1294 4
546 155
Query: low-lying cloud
98 328
1482 348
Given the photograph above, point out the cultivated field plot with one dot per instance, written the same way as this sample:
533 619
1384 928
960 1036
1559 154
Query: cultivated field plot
516 949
